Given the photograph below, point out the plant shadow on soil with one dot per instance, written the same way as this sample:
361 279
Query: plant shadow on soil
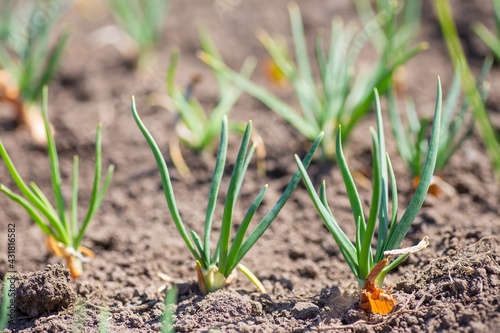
453 286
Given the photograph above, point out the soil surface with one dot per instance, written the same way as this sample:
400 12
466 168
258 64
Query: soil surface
453 286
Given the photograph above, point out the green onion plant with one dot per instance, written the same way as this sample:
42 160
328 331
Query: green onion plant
486 130
340 96
412 140
492 40
214 269
199 128
28 62
360 256
64 231
143 21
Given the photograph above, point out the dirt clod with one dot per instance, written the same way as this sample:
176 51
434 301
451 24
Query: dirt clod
215 309
44 292
305 310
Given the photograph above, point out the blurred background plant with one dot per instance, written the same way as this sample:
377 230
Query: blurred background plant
412 142
485 127
393 25
341 97
142 21
197 128
27 59
492 40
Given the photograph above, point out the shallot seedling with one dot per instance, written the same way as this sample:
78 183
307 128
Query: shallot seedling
340 96
368 266
142 20
412 140
27 60
484 125
197 128
214 269
64 232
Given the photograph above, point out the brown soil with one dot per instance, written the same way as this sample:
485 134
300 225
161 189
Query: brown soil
43 292
453 286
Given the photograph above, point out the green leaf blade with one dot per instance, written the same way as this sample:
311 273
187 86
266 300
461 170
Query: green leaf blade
214 187
240 234
165 177
271 215
232 195
425 180
346 247
54 163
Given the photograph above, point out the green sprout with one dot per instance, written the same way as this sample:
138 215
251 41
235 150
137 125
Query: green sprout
6 302
142 20
198 129
168 314
79 318
27 60
457 56
339 98
63 230
412 140
104 321
214 270
360 256
81 314
489 38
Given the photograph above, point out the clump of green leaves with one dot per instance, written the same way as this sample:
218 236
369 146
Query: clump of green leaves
412 141
393 25
492 40
199 128
457 56
27 59
64 231
142 20
214 269
360 256
340 97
